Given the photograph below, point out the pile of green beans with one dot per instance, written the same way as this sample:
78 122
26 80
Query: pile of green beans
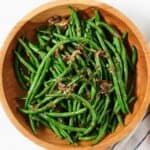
76 76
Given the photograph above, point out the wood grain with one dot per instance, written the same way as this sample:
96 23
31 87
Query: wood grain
10 90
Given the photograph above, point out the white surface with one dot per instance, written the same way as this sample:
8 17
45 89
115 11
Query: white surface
11 11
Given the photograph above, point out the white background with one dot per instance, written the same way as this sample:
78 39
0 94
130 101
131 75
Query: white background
11 11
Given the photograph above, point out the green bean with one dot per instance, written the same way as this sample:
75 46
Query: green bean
63 126
124 59
58 72
97 28
114 124
115 53
43 91
46 107
76 21
19 75
53 73
80 91
124 36
78 39
98 107
81 61
40 76
97 101
66 114
32 124
108 28
97 104
32 76
82 122
118 47
27 65
62 64
98 66
117 44
117 90
134 55
119 118
93 92
60 36
43 122
60 68
93 114
107 101
74 80
67 136
33 47
46 38
55 129
68 69
70 110
87 138
122 86
29 52
133 98
45 32
97 16
88 31
48 98
32 91
68 32
72 29
24 75
41 41
101 132
74 109
58 29
53 87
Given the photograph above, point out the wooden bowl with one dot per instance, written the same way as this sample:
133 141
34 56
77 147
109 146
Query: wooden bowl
10 90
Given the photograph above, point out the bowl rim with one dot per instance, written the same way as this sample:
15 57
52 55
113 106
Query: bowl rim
45 7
